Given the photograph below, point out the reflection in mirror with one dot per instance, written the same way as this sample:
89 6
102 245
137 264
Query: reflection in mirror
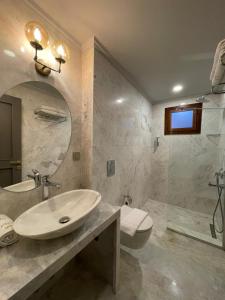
35 131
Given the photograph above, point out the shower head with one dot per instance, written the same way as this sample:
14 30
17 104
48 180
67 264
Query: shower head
202 99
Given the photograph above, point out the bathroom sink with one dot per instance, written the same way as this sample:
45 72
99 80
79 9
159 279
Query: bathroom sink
58 215
23 186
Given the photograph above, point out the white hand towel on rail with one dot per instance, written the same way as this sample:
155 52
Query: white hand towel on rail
220 47
219 70
131 219
7 234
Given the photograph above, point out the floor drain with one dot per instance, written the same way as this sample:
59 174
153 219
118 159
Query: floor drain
64 219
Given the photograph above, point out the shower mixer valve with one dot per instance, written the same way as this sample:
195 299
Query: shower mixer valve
220 173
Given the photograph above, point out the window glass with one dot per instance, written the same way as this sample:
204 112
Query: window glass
182 119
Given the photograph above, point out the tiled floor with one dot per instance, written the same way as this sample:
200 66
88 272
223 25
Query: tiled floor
169 267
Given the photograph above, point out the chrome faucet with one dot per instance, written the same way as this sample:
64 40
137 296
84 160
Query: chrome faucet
44 182
36 177
47 183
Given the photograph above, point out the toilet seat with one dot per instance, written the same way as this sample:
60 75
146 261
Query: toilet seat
145 225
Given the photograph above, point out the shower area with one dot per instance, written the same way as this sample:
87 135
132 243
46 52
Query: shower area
190 169
196 177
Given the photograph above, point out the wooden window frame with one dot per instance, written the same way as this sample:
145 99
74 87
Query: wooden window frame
197 119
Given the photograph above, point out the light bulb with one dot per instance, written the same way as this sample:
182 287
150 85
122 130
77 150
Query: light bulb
61 51
36 35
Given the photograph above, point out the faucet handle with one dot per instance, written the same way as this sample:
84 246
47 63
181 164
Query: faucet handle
36 176
45 178
36 172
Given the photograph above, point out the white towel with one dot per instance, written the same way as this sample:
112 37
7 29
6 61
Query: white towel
131 219
220 70
220 47
7 234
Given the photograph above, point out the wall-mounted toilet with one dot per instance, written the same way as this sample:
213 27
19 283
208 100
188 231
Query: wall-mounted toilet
142 233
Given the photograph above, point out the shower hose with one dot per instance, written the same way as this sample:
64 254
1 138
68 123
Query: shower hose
218 206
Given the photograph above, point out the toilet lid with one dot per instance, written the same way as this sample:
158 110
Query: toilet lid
146 224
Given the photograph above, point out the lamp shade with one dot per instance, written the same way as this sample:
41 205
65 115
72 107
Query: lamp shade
36 35
61 51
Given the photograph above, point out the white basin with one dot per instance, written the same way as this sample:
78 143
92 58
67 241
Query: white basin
22 186
43 221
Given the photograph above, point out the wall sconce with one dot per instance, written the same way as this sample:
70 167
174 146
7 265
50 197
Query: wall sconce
39 40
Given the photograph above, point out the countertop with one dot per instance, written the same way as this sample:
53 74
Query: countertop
27 264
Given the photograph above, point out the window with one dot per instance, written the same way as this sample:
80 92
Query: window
184 119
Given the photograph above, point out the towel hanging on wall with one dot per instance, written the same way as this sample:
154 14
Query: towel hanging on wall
217 75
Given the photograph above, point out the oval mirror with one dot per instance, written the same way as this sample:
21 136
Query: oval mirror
35 131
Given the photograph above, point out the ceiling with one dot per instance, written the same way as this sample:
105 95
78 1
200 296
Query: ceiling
161 43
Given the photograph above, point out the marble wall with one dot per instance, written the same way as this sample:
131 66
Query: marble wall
17 66
87 111
183 165
44 143
122 132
